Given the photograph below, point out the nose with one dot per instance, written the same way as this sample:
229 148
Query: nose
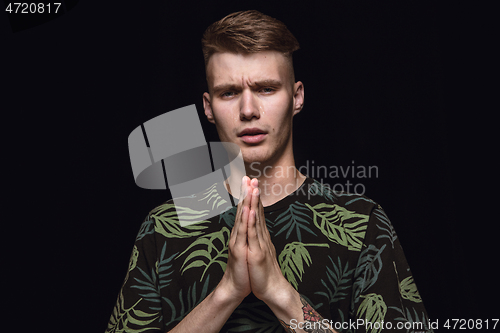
249 107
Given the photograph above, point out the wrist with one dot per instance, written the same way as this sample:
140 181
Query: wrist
282 300
226 295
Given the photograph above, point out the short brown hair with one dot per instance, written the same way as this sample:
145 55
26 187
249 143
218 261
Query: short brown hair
248 32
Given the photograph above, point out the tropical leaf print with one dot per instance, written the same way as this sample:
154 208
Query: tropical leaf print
129 319
407 317
212 253
339 279
292 258
193 299
408 290
147 228
386 226
211 195
340 225
133 258
368 269
294 218
228 216
324 190
167 223
407 287
373 309
132 263
356 198
149 288
254 316
163 266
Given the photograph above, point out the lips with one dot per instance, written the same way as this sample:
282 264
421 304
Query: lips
252 135
252 131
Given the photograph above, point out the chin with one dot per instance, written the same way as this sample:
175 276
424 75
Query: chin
256 159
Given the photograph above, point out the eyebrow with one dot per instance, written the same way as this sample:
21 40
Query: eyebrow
232 86
225 86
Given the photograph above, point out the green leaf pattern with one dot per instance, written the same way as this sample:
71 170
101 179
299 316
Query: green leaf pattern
340 225
294 218
193 299
166 218
212 196
373 310
254 316
129 319
292 259
339 250
211 252
408 290
339 281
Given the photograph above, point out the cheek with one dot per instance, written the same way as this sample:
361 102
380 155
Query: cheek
283 111
226 124
282 124
222 119
227 116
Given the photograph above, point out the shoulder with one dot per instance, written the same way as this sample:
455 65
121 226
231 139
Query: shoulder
344 218
188 216
171 206
208 202
362 219
320 192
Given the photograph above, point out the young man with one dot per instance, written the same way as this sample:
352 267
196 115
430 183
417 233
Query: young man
293 255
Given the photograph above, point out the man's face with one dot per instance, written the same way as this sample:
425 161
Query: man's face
252 100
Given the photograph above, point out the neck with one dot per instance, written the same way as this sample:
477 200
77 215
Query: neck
276 181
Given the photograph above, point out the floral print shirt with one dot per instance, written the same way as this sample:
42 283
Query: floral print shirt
338 250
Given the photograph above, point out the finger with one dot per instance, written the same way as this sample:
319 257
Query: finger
254 183
261 222
239 210
247 191
253 238
243 191
258 216
241 237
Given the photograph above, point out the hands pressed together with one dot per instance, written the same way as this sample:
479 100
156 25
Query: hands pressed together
251 267
252 264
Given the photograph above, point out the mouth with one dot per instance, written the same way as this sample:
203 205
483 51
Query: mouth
252 135
252 131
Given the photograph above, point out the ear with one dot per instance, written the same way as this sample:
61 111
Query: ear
298 97
208 108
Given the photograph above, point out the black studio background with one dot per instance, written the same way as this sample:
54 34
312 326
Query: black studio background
380 88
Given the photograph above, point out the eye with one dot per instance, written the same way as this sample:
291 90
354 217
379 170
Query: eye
227 94
267 90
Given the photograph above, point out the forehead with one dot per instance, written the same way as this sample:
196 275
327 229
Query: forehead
226 67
